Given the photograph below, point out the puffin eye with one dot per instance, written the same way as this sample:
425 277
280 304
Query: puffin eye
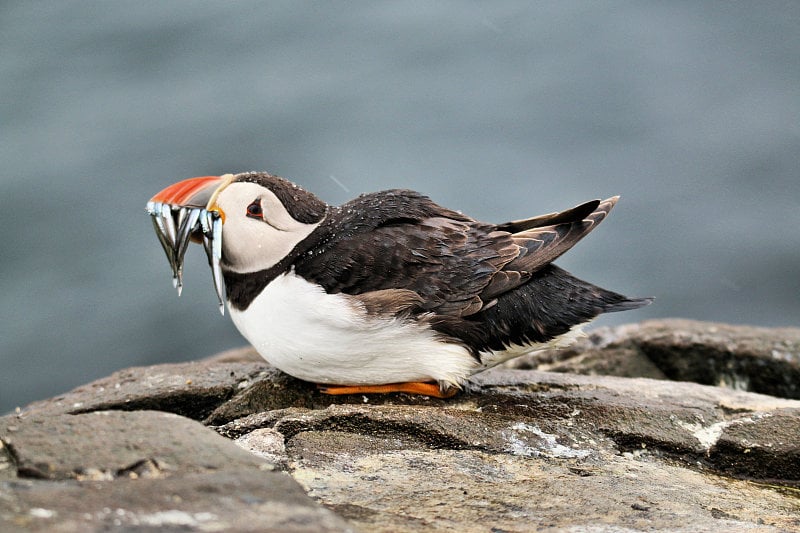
254 209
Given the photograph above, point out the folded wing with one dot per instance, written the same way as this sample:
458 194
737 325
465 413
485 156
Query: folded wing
455 265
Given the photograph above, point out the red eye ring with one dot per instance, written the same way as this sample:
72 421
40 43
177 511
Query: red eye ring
254 209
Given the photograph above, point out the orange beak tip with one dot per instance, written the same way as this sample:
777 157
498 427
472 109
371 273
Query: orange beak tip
193 192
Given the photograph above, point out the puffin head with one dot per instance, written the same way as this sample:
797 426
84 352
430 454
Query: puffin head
246 222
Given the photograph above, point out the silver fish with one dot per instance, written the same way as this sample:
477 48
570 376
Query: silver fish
169 223
161 232
174 226
187 226
216 269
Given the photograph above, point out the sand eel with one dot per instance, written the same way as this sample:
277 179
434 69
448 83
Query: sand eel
389 292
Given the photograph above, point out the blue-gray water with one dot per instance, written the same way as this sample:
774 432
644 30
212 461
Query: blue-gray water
689 110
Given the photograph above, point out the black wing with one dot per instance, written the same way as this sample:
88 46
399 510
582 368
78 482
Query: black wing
401 245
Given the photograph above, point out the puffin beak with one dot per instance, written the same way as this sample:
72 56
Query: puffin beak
186 211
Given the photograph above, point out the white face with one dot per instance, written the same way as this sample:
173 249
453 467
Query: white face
258 231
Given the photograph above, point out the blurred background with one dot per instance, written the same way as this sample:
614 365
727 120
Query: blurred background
689 110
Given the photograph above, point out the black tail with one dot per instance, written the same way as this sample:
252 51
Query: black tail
548 306
628 304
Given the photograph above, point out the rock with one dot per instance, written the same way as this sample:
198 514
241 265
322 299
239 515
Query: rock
519 450
265 442
104 445
748 448
229 500
190 389
380 488
533 450
142 470
764 360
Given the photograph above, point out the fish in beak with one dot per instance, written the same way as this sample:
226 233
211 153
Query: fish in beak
186 211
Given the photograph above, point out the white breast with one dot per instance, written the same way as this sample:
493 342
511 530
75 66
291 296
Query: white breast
326 338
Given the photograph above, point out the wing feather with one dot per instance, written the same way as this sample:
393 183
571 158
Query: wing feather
579 212
546 243
455 265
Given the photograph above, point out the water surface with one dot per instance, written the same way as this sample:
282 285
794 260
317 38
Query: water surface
689 110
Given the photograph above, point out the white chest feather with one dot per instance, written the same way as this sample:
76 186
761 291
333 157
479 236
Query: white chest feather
326 338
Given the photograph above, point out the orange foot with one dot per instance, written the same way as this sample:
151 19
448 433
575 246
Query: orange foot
412 387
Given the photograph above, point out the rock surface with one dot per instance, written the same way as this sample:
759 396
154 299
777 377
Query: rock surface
764 360
144 470
144 449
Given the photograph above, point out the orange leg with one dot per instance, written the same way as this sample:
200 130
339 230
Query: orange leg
412 387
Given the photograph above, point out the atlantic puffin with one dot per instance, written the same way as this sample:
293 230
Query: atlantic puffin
389 292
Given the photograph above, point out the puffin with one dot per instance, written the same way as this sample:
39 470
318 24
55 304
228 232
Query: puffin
389 292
